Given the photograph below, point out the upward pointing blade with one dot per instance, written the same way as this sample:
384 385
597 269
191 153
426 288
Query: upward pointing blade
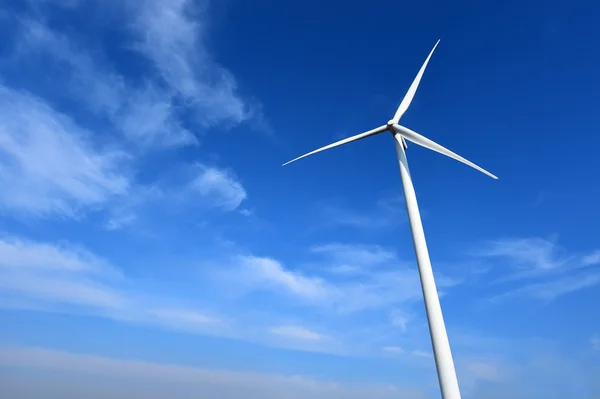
432 145
413 89
378 130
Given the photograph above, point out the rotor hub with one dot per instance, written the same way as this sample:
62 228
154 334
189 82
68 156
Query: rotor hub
390 123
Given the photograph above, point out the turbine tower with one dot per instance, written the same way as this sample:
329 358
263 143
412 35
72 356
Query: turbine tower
437 329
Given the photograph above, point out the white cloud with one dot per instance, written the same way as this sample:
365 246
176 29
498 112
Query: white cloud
296 332
393 349
595 341
185 318
151 112
220 186
535 258
480 370
353 259
56 274
266 271
94 377
66 278
150 118
374 290
172 35
49 162
592 259
420 353
100 88
246 212
145 115
65 290
384 214
550 290
51 274
25 254
120 220
529 255
401 318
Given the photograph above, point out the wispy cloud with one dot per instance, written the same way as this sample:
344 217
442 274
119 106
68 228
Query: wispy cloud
347 259
386 213
480 370
595 341
552 289
556 270
421 353
173 36
116 378
186 319
145 114
59 164
393 349
68 279
50 163
375 289
220 186
57 274
401 318
528 256
296 332
65 290
60 277
22 254
592 259
268 272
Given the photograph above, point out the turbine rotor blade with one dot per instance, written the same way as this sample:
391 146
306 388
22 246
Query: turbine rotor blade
427 143
413 89
373 132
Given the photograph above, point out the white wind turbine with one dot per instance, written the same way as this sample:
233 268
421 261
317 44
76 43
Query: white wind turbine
437 329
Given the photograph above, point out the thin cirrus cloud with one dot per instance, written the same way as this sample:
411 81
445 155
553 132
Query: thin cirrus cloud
117 378
296 332
386 214
375 289
65 278
50 275
50 163
175 44
220 186
539 268
181 75
39 144
20 254
143 114
353 259
393 349
595 341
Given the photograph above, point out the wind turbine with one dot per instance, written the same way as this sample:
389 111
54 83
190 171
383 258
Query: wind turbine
437 329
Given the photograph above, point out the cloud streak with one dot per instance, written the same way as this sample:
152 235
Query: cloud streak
296 332
220 186
91 377
549 270
172 35
50 163
383 280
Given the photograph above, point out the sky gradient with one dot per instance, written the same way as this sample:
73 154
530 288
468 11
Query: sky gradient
152 244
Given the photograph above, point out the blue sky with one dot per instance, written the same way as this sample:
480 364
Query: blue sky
149 235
